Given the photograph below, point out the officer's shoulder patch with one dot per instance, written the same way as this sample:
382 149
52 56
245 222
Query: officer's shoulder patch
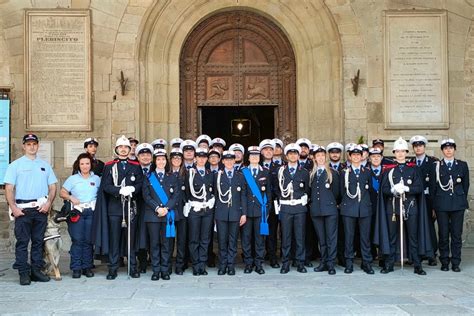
388 167
132 162
108 163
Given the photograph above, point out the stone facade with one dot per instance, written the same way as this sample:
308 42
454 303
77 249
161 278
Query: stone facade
332 39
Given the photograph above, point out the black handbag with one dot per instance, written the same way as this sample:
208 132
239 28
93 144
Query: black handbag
64 213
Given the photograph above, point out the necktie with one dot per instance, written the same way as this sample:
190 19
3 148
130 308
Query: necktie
145 171
188 167
357 171
301 164
254 171
201 172
418 162
376 171
449 164
229 174
160 175
401 167
267 165
333 166
292 171
320 171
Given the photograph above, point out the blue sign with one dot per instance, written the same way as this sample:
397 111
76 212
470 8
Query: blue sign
4 137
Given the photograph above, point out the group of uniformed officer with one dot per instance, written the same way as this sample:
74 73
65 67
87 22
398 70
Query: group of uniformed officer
152 202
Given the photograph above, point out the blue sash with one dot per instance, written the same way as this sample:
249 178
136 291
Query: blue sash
262 199
170 228
375 184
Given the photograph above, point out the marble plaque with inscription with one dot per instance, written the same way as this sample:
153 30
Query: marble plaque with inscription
416 70
46 151
58 70
72 149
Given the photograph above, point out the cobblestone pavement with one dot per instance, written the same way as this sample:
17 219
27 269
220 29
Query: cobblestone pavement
399 293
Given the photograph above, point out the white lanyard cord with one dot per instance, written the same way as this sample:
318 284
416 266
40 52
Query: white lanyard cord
227 194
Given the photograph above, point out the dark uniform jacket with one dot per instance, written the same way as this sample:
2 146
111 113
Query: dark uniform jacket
324 195
133 176
207 180
99 167
301 186
170 185
445 201
340 166
238 204
308 164
410 174
264 185
352 207
425 169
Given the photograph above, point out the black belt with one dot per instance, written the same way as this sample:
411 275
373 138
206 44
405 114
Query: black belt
25 201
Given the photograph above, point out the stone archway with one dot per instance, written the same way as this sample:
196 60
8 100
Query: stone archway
237 58
313 35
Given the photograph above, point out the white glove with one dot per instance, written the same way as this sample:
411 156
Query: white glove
123 191
127 191
400 188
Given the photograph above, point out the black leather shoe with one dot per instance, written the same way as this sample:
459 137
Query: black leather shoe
308 264
349 269
76 274
284 270
368 269
432 262
331 271
88 273
221 272
386 270
248 269
419 271
165 276
134 274
321 268
274 264
195 272
203 272
155 277
444 267
112 275
179 272
25 278
259 270
211 264
38 276
231 271
301 269
456 269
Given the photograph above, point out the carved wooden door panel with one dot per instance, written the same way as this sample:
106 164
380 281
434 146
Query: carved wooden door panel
238 58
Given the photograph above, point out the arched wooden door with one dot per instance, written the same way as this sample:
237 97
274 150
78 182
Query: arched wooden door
237 58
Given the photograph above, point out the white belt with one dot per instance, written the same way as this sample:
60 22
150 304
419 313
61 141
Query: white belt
198 206
38 203
302 201
80 207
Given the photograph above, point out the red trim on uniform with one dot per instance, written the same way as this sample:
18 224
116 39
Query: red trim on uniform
411 164
388 167
133 162
108 163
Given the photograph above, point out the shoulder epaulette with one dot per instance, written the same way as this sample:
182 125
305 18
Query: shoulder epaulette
388 167
133 162
111 162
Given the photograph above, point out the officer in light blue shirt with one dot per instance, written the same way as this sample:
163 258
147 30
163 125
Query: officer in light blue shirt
30 188
81 189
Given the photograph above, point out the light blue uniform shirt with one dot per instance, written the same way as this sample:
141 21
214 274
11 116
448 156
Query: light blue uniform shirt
85 190
31 178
